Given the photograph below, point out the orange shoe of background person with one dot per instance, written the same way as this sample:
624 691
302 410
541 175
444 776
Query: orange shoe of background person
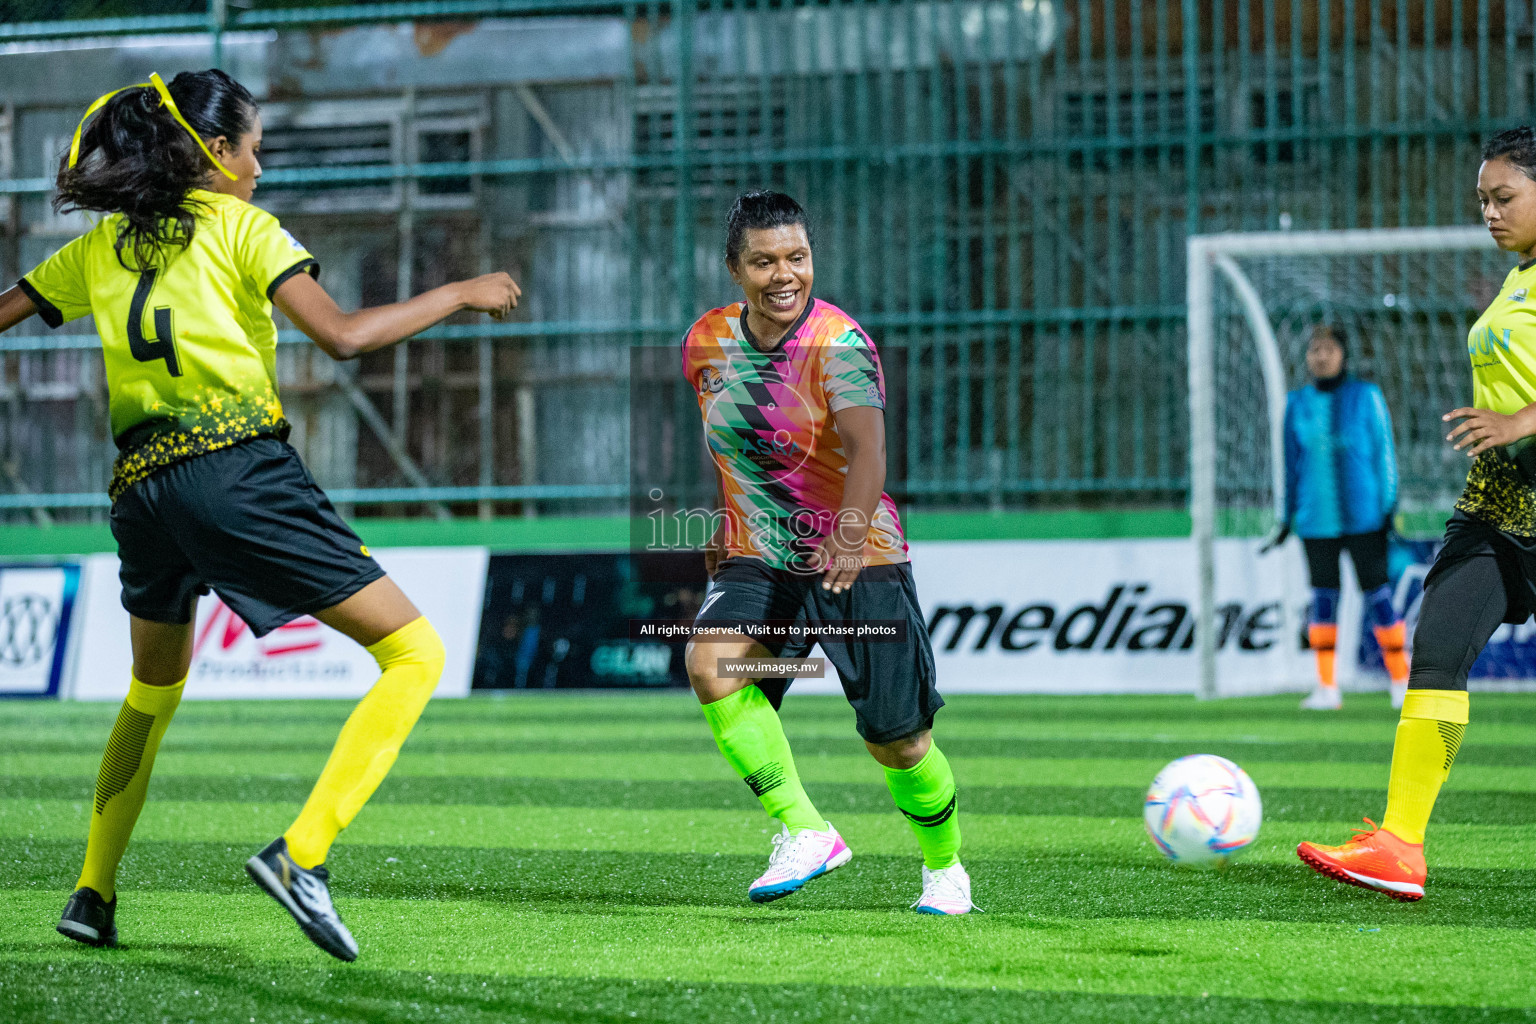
1373 859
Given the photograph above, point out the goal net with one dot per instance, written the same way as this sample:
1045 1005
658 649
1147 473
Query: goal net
1406 299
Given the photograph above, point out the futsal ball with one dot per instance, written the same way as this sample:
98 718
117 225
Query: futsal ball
1202 810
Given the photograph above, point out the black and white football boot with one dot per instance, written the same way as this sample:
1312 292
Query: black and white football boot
89 919
304 894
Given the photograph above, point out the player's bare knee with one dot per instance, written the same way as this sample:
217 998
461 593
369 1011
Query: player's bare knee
701 663
902 753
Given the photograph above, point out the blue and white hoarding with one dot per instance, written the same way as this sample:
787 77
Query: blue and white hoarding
37 603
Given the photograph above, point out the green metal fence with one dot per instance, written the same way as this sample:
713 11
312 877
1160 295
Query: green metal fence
1001 191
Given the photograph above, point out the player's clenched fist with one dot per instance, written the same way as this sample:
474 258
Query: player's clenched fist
496 294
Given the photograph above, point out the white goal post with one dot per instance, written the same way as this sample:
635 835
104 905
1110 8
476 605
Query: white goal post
1418 284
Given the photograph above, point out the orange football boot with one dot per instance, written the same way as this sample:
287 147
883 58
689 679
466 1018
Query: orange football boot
1373 859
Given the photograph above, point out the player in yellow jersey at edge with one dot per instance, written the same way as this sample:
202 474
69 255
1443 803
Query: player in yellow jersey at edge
181 274
1485 573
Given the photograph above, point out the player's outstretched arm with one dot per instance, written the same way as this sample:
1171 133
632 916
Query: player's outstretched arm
343 335
14 307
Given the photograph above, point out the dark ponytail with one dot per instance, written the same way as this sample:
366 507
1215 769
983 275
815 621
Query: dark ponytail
136 160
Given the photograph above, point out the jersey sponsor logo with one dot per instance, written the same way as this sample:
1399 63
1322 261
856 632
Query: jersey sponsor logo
1486 340
780 444
711 381
297 245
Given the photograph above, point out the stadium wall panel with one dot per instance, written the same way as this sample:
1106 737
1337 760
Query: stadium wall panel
301 659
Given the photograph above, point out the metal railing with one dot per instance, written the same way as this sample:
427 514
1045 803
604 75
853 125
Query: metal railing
1001 190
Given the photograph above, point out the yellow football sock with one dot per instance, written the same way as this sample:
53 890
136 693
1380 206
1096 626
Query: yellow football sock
123 780
412 662
1428 735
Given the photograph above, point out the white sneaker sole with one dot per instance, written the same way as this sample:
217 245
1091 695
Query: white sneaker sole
1405 888
788 887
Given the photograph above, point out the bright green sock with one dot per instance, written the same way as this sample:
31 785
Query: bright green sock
925 793
749 734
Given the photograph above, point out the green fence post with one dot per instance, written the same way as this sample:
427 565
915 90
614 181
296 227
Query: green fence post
218 20
682 161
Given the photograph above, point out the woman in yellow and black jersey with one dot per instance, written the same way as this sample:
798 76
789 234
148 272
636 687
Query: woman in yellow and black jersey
181 274
1485 573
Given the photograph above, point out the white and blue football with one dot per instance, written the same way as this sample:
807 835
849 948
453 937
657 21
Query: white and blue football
1202 810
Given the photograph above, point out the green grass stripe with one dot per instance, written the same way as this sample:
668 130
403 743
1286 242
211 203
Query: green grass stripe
694 739
1280 803
1075 884
1098 714
111 989
832 770
1259 959
622 829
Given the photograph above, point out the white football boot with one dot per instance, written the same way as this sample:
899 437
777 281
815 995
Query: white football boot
945 891
796 859
1323 698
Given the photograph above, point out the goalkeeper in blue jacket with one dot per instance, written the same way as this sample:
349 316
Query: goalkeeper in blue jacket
1340 493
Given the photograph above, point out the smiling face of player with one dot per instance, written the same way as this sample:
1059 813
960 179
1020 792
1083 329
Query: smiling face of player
1507 197
775 273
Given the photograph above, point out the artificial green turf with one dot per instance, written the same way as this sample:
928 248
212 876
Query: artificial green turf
585 858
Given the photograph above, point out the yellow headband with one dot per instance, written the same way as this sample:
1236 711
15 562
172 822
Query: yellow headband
167 102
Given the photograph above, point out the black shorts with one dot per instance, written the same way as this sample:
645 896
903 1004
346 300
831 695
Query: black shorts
1367 550
1481 578
1469 539
890 684
247 521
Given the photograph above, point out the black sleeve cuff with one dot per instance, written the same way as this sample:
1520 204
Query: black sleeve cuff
308 265
45 309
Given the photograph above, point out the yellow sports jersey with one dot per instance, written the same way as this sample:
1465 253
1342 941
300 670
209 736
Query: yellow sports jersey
1502 346
190 346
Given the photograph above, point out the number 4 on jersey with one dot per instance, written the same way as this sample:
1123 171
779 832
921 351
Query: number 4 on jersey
163 345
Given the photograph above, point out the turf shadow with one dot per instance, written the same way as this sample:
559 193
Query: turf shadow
1065 886
1280 803
201 988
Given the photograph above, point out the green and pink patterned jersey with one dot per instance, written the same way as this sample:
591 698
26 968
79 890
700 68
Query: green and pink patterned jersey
770 428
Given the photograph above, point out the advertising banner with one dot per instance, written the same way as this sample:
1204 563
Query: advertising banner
300 660
1095 616
37 605
554 621
1005 617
